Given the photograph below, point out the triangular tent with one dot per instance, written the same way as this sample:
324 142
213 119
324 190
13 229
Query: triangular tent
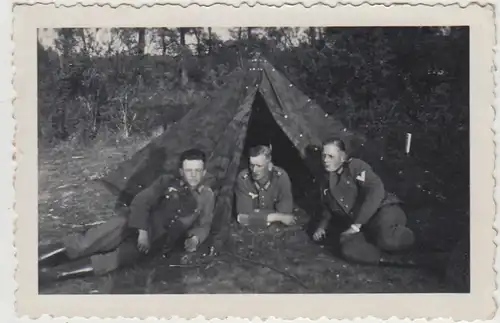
258 105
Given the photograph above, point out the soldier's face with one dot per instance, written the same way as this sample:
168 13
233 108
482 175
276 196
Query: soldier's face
333 157
259 166
193 171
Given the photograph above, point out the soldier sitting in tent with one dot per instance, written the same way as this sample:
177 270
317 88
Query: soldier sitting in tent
168 210
263 193
370 221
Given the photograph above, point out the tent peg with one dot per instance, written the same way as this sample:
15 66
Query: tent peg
408 142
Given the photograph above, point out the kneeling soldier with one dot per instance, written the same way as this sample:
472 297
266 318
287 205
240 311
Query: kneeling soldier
263 194
372 222
168 210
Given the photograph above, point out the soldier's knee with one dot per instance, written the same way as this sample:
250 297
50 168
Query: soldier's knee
396 239
391 215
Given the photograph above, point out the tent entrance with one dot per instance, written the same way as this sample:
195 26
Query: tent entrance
263 130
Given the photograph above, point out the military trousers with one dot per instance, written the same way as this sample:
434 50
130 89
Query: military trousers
113 244
386 231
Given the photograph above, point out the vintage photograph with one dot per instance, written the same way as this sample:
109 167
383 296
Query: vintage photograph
247 160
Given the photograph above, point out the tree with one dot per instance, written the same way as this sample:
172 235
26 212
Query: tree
184 52
209 41
141 42
65 43
198 33
163 39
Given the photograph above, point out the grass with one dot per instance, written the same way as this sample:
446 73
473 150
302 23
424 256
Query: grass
69 200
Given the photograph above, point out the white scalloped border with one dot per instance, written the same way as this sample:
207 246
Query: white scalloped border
9 286
275 3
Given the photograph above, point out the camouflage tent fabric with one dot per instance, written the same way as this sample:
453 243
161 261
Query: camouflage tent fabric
219 128
255 99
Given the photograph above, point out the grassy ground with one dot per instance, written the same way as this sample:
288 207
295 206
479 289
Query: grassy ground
69 200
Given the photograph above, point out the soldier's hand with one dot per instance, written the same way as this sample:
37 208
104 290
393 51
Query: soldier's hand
349 232
143 241
319 234
191 244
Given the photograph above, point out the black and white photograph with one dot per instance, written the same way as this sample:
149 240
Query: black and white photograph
253 160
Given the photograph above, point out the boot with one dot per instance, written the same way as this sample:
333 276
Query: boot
56 256
77 269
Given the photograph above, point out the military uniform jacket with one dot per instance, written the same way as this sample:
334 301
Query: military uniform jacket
275 195
170 204
356 191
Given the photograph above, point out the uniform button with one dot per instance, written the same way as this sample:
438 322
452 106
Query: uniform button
179 211
348 182
342 199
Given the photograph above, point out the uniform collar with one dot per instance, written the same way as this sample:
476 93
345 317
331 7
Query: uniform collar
264 187
267 183
341 168
199 188
182 183
196 189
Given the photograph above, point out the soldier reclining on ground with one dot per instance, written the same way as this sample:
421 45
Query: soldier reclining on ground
168 210
371 221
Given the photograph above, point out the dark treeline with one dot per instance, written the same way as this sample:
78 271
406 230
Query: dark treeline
382 81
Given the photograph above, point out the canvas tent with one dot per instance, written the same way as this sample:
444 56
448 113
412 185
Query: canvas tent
258 105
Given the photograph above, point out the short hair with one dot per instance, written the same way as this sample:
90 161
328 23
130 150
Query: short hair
260 150
338 142
192 154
